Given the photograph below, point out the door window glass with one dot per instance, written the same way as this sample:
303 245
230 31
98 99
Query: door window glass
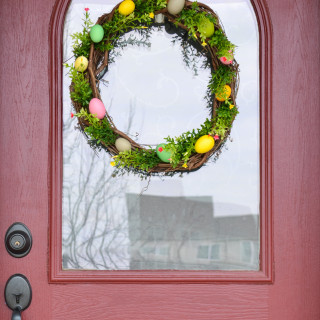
204 220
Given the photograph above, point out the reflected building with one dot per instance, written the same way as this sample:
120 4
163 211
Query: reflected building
182 233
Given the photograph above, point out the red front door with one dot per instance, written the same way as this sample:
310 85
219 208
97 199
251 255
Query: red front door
289 289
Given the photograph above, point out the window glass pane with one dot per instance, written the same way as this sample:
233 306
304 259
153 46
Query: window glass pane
215 252
203 252
205 220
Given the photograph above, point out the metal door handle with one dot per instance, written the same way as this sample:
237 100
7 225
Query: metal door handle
18 295
16 315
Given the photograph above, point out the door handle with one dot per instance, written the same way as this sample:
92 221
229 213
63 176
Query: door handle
16 315
18 294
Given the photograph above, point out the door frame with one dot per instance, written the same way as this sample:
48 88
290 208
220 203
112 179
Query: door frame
57 274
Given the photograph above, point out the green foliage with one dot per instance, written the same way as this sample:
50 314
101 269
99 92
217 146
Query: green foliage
148 6
182 147
82 92
98 130
139 19
223 119
191 17
139 159
81 40
222 76
120 24
224 47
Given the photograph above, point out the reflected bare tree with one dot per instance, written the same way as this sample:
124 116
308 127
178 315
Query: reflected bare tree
95 224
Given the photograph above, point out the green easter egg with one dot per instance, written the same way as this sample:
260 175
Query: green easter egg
162 154
206 27
96 33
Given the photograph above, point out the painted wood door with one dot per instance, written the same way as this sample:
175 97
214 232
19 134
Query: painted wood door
289 289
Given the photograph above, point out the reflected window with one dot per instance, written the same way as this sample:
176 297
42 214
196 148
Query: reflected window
205 220
203 252
215 252
246 251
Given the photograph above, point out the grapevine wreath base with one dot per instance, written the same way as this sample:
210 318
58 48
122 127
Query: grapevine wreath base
217 49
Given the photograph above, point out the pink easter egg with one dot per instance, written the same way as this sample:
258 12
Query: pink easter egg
224 60
97 108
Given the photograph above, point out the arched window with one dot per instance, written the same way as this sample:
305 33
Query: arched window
217 218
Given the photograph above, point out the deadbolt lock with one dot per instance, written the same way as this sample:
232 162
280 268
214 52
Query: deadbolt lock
18 240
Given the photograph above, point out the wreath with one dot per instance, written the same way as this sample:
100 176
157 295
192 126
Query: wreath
200 25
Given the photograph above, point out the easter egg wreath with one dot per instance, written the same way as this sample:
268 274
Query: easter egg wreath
92 47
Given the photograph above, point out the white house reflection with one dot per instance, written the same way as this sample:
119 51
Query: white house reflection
176 233
183 233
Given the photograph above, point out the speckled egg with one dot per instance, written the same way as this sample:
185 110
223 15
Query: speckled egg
204 144
123 144
96 33
163 154
175 6
225 95
97 108
81 64
225 60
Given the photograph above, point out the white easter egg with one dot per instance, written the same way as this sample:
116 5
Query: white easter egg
123 144
175 6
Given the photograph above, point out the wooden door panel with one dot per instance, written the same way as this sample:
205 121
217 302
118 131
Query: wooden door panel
24 131
186 302
24 136
296 156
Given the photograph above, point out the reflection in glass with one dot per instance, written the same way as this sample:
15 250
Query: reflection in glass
205 220
183 233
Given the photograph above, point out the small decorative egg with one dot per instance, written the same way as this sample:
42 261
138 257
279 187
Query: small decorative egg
175 6
81 64
97 108
159 18
123 144
126 7
96 33
225 60
225 95
206 27
163 155
204 144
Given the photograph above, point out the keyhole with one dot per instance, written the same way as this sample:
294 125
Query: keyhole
17 241
17 298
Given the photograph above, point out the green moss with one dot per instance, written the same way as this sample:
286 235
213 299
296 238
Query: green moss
138 159
99 131
81 92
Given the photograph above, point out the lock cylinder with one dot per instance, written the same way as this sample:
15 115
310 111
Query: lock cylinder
18 240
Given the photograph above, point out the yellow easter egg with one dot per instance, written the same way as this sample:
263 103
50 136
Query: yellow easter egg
225 95
81 64
126 7
204 144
